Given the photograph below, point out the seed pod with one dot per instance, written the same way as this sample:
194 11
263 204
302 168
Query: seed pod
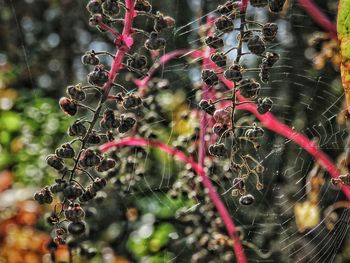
264 105
111 8
98 184
256 45
93 138
222 116
259 3
65 151
224 24
276 5
143 6
89 158
126 123
76 92
106 164
98 77
76 228
209 77
249 88
246 200
270 58
131 102
89 58
72 191
154 42
214 42
233 73
94 6
109 121
68 106
55 162
207 107
217 149
77 129
137 62
219 59
269 31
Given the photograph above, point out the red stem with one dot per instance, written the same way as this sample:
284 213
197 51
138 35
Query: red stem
122 46
320 18
244 5
229 224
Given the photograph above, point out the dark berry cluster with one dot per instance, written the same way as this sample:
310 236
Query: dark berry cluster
82 170
255 37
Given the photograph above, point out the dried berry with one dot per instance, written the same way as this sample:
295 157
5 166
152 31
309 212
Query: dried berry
259 3
93 138
76 92
74 213
207 107
246 200
89 158
270 58
43 196
77 129
89 58
106 164
219 128
137 62
219 59
58 186
55 162
89 194
276 5
65 151
254 133
76 228
72 191
143 6
224 24
264 105
68 106
222 116
111 7
217 149
238 184
98 77
126 123
98 184
269 31
94 6
109 121
229 8
256 45
154 42
214 42
249 88
161 22
209 77
131 102
233 73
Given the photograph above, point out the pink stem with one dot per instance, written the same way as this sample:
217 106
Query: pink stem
321 19
229 224
271 122
244 5
123 46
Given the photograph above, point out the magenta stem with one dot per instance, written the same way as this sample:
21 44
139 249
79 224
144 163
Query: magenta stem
244 5
320 18
117 63
224 214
